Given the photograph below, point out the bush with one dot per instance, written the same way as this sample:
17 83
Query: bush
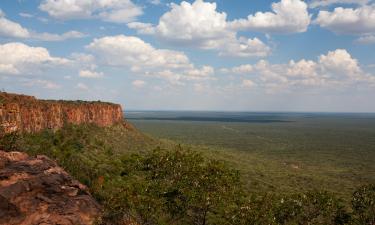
363 204
10 142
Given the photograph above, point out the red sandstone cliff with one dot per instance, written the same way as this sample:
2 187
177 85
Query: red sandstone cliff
27 114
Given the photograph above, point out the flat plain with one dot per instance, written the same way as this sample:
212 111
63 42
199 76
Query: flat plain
276 152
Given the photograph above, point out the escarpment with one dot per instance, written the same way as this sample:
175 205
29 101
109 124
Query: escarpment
26 114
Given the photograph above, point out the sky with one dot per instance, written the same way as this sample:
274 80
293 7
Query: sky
224 55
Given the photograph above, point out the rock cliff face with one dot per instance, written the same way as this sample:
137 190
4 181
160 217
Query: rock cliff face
34 190
28 114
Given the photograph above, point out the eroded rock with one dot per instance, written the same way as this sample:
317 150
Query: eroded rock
34 190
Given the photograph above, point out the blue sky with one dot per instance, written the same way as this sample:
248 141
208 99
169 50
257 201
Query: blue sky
253 55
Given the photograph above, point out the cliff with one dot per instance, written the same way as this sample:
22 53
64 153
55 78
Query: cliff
27 114
34 190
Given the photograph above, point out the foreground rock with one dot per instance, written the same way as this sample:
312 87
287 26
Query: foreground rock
34 190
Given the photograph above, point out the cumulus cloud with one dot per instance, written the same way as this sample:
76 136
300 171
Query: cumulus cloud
242 69
138 83
42 83
90 74
117 11
248 83
340 63
205 71
336 68
323 3
288 16
24 59
9 28
142 58
142 28
187 23
244 47
200 25
348 20
133 52
12 29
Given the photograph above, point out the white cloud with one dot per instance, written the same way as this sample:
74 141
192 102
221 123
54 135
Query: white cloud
178 77
23 59
366 40
26 15
334 69
320 3
90 74
288 16
12 29
248 83
348 20
200 25
197 23
42 83
142 28
58 37
242 69
205 71
155 2
303 68
340 63
245 48
130 51
82 86
143 59
117 11
138 83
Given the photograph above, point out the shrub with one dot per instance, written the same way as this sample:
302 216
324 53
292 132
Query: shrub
10 142
363 205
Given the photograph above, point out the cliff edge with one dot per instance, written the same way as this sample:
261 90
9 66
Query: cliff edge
34 190
26 114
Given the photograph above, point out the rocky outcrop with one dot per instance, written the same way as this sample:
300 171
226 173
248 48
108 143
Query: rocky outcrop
27 114
34 190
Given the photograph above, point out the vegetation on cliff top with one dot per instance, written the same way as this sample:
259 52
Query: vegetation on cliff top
136 180
29 100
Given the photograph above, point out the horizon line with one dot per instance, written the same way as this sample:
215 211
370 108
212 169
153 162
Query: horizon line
244 111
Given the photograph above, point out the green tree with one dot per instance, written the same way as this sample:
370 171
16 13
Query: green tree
173 187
